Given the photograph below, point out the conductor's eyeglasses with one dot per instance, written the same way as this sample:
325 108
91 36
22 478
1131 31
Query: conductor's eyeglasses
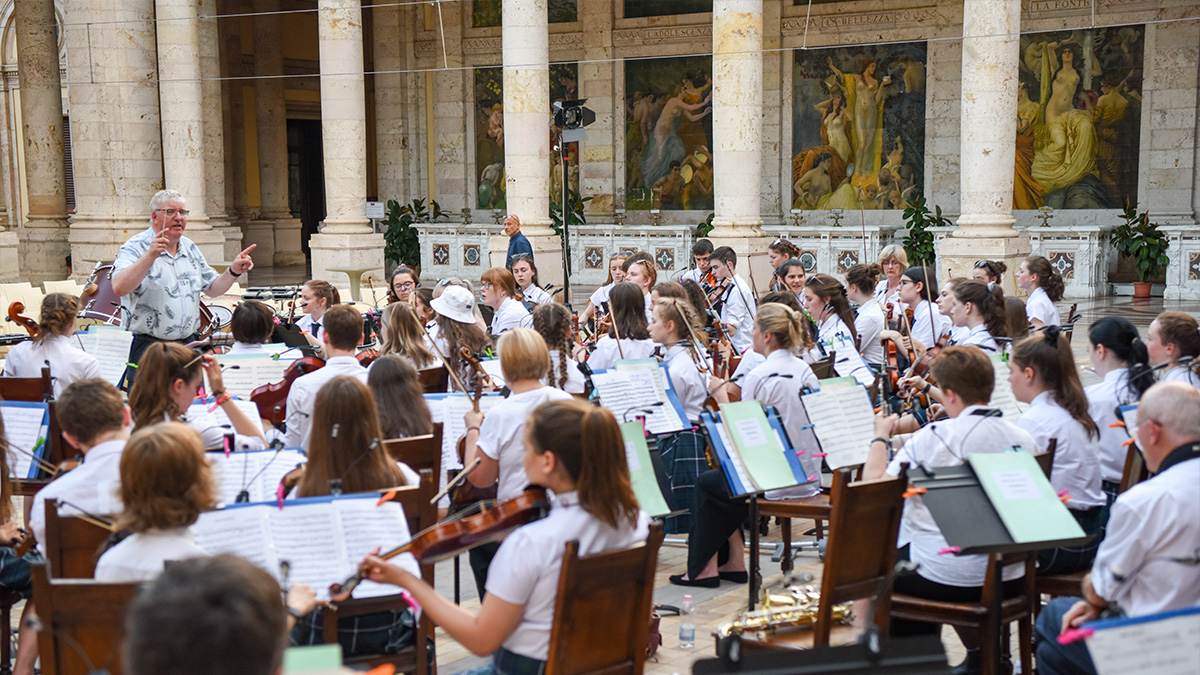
171 213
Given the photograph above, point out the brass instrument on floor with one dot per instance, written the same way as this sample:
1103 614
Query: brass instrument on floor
797 609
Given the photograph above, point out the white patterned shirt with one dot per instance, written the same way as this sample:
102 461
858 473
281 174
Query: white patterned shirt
166 305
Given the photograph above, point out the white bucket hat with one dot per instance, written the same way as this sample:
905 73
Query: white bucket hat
456 303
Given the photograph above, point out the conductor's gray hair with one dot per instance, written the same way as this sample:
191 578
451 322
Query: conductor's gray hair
161 197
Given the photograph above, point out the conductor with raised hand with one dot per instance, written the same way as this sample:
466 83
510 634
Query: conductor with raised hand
160 275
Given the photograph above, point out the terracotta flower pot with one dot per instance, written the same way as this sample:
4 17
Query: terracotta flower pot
1141 289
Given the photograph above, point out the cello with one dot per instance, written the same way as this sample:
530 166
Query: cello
271 399
14 315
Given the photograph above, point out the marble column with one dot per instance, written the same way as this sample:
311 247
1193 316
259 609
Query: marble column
391 161
117 138
45 245
180 95
214 130
990 47
526 53
275 231
345 239
737 124
234 114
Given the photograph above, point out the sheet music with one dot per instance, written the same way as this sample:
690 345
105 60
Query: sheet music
232 472
1002 393
641 390
110 346
844 422
367 527
1164 646
492 368
452 408
738 468
309 537
243 373
242 532
24 424
218 417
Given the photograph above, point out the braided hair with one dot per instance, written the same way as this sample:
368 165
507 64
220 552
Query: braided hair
553 322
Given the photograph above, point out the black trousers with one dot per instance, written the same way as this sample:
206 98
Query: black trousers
1070 559
480 558
141 342
920 587
715 517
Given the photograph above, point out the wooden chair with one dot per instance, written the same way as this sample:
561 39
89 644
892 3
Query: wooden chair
602 611
435 380
858 560
1135 468
420 514
419 452
1068 326
816 508
80 617
1045 459
33 389
977 615
823 369
72 543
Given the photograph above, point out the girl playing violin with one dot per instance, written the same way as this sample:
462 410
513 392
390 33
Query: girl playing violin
404 280
980 311
672 325
169 379
553 322
780 251
316 297
499 291
52 347
629 316
457 330
639 271
1120 357
497 439
402 335
826 301
575 450
927 325
869 321
526 275
616 274
399 398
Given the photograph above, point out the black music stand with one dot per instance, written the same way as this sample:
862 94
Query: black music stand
922 655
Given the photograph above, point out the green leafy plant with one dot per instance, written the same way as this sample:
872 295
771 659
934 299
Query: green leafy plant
919 242
1140 240
703 228
576 203
401 241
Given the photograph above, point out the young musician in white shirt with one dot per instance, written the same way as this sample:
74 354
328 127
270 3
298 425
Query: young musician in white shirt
640 271
869 320
316 298
792 273
779 252
497 439
575 450
629 316
1147 561
252 325
980 312
673 326
1043 374
498 289
701 250
526 275
342 336
1120 357
553 322
1037 277
616 274
52 347
826 302
1173 340
945 303
401 333
967 379
737 300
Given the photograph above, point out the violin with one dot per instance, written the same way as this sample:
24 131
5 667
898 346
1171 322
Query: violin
366 357
891 356
922 366
465 492
14 315
271 399
482 376
452 537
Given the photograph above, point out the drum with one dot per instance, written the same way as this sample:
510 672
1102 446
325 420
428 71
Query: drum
98 301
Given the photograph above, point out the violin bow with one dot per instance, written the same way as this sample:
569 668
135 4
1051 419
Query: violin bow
41 463
617 332
701 364
458 478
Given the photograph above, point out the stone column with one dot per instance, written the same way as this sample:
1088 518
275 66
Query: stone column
737 123
345 239
234 114
180 94
214 131
275 231
10 267
45 247
117 138
526 54
987 129
597 166
391 161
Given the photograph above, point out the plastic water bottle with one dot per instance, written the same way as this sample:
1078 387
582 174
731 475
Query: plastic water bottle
687 624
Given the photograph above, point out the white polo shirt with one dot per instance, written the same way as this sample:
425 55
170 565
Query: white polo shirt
536 295
929 324
979 337
67 362
868 323
600 296
1182 373
574 384
738 311
142 556
93 486
303 394
1076 457
607 354
1157 518
1103 399
525 570
1039 306
511 314
690 385
502 436
947 443
777 382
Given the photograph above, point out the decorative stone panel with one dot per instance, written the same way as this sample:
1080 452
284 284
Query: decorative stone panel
665 258
846 260
471 255
1064 262
593 258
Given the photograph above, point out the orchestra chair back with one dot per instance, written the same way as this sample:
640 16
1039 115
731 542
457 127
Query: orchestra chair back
435 380
864 523
602 611
1045 459
80 618
977 615
32 389
72 544
823 369
1135 468
419 452
421 514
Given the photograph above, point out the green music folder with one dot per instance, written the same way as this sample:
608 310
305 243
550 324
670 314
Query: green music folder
642 478
1024 499
757 444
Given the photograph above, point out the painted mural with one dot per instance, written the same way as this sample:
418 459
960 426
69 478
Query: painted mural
1079 118
858 127
486 13
668 133
639 8
489 133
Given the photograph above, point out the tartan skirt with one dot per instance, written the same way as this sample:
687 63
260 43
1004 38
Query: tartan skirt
684 459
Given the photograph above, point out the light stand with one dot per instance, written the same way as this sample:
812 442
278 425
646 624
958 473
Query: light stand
569 120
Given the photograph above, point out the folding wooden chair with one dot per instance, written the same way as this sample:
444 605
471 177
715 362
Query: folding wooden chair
84 623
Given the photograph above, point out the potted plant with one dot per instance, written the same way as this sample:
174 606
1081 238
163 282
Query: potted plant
920 243
1142 242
